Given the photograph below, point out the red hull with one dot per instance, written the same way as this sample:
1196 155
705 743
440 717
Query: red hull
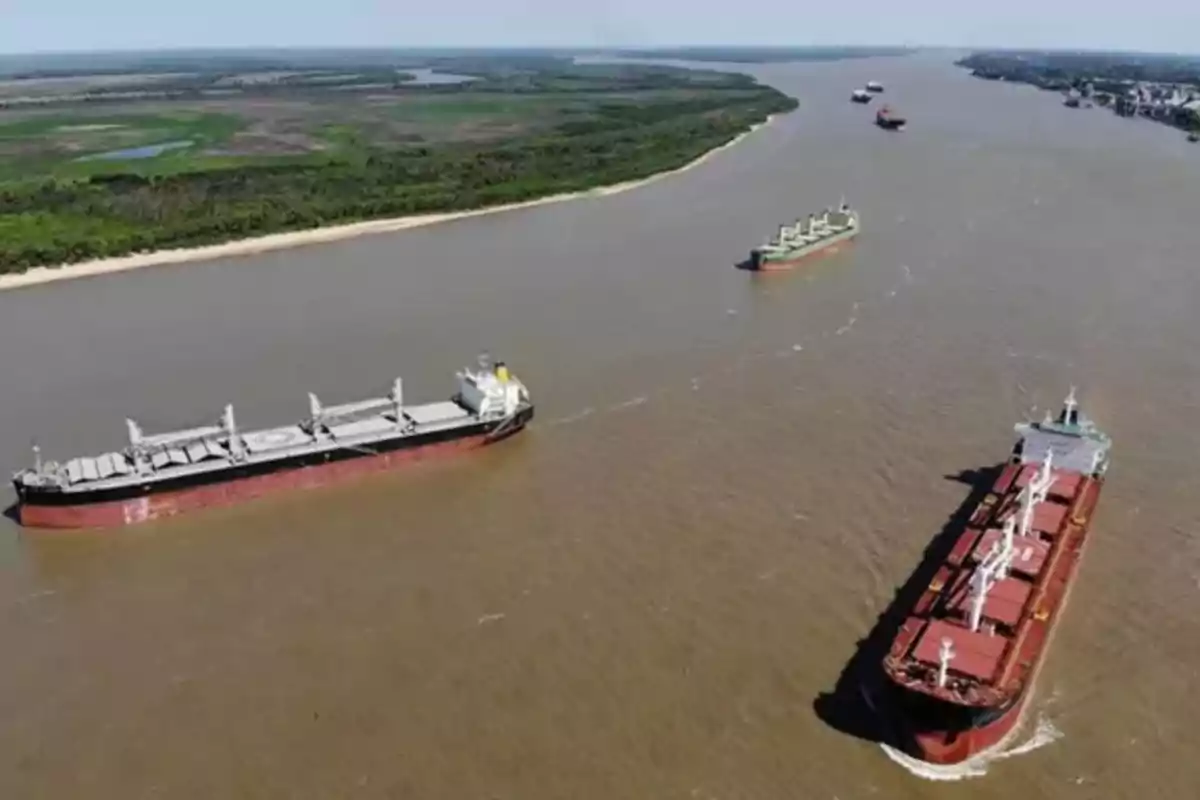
1020 666
167 504
787 266
933 748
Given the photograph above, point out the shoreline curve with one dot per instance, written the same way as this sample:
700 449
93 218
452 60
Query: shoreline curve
309 236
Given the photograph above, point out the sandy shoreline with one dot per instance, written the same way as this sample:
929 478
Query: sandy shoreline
281 241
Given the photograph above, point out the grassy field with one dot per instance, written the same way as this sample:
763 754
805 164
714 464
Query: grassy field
209 156
82 142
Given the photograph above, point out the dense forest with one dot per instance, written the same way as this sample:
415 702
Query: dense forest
53 222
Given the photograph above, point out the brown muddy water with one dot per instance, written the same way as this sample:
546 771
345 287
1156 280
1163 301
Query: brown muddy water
646 594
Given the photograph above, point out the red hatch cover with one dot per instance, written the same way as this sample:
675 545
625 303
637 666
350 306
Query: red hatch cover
1004 603
975 654
1066 482
1029 554
1048 517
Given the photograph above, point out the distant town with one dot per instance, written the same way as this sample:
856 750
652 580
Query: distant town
1164 88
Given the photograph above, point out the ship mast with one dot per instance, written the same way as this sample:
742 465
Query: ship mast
992 569
236 449
398 399
140 464
1035 492
998 561
945 656
1069 414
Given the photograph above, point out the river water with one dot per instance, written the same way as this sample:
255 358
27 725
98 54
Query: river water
647 594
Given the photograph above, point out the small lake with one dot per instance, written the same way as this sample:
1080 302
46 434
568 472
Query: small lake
426 76
133 153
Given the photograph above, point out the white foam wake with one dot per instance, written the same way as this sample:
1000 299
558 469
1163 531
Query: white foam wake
1045 733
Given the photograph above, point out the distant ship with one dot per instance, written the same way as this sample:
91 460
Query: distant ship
164 474
962 666
1193 137
874 86
888 119
1072 101
817 235
861 96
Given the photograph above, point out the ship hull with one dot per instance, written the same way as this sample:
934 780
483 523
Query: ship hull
954 745
942 747
935 747
241 484
790 263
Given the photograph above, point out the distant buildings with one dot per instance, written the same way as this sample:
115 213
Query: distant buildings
1167 92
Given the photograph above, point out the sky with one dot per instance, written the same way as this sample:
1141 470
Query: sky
73 25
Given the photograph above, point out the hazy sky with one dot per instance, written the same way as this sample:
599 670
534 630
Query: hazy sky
53 25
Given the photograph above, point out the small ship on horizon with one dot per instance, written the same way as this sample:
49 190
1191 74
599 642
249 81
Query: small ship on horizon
889 120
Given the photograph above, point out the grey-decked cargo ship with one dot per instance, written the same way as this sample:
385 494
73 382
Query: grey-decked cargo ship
164 474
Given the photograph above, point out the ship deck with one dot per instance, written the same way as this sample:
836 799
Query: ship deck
798 244
994 660
358 428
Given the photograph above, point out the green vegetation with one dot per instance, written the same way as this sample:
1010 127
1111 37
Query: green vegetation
275 153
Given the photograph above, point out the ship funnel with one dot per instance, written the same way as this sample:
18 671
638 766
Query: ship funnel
37 458
398 395
314 406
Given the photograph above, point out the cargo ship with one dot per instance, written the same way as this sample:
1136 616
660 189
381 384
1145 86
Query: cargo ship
816 235
888 119
861 96
961 667
160 475
874 86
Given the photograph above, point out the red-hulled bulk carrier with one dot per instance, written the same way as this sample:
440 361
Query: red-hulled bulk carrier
888 119
168 473
961 667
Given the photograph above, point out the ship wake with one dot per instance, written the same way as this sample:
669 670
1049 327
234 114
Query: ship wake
1044 733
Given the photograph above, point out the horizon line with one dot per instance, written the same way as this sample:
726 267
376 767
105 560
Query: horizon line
911 48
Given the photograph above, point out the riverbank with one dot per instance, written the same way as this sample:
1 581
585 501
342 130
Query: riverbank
283 241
